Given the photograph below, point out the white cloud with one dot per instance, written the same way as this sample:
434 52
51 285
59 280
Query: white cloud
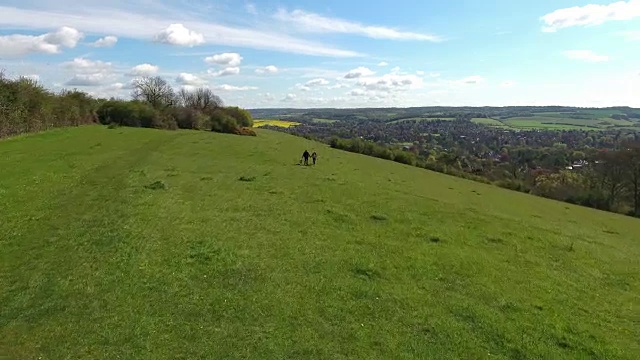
144 70
383 64
630 35
392 82
302 87
434 74
86 66
359 72
395 70
290 97
178 34
114 90
271 69
189 79
420 73
315 23
224 72
107 41
357 92
267 96
121 19
90 79
227 59
590 15
226 87
507 84
89 72
49 43
584 89
585 55
339 86
317 82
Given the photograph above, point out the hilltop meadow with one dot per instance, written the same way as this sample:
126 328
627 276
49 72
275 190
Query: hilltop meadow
130 243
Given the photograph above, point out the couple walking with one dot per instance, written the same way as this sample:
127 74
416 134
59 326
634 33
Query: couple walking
306 155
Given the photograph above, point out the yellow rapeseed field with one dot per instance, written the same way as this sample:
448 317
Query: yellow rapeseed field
281 123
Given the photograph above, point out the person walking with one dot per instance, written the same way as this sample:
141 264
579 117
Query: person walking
305 156
314 156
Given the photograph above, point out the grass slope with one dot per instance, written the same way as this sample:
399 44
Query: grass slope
134 243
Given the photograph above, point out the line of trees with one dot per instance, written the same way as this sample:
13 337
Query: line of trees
155 104
370 148
26 106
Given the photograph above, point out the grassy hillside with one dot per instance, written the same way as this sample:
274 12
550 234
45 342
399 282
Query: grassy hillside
136 243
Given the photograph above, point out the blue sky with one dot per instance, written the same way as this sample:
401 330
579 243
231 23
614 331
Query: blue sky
335 53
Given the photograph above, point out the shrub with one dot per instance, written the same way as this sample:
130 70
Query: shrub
591 199
128 113
165 122
242 117
245 131
511 184
222 122
405 157
188 118
29 107
202 122
383 153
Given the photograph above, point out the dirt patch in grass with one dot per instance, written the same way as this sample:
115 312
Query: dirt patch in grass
247 178
379 217
366 273
157 185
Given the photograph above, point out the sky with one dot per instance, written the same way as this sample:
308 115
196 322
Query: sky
315 54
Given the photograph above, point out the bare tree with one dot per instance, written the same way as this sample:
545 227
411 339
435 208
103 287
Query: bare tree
612 170
154 90
202 99
631 155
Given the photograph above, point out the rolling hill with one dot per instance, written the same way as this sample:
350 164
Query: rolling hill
137 243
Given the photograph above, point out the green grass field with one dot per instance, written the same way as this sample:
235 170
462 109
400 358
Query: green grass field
549 123
593 120
489 122
587 113
561 121
136 243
